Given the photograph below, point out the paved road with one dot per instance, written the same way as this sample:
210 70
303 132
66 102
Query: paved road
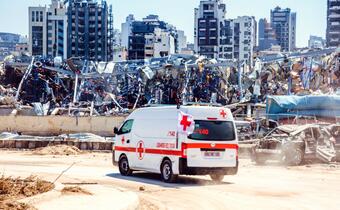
314 186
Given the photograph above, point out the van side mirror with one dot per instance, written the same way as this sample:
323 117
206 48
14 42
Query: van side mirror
115 130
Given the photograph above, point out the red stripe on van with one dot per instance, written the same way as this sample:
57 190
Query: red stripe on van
126 149
150 151
164 152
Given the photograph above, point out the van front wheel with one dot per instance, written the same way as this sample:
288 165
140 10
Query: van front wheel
124 168
166 172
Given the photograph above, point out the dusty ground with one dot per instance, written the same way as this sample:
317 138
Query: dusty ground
12 189
255 187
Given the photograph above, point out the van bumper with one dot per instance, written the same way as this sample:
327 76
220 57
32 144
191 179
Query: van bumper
185 170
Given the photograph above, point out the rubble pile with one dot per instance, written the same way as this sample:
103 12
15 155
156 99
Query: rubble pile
57 150
13 189
80 87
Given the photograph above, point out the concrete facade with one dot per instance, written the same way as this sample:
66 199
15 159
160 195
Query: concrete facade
37 40
244 38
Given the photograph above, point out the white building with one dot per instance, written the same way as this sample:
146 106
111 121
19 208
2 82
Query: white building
37 30
159 44
48 30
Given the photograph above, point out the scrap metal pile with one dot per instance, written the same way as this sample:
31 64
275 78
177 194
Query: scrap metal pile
315 72
81 87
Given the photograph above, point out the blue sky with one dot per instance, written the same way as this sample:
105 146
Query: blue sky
311 14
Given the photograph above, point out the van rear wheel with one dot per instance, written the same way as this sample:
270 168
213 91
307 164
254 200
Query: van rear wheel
167 173
217 177
124 167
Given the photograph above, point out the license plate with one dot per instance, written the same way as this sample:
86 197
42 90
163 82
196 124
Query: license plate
212 154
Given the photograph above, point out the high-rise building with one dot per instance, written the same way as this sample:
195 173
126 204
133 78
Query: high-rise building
333 23
267 37
244 38
72 28
57 29
218 37
151 38
209 17
283 21
88 23
37 30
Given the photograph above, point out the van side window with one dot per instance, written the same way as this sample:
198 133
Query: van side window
126 127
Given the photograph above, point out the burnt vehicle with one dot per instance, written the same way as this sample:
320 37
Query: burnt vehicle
334 131
292 144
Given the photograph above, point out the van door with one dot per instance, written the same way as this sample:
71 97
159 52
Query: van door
212 144
124 141
154 140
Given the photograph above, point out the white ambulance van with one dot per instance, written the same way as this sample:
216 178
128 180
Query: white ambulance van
149 140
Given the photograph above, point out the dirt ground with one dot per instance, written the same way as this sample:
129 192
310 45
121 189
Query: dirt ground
12 189
312 186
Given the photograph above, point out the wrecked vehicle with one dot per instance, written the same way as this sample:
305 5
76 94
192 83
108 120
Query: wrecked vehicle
334 130
292 144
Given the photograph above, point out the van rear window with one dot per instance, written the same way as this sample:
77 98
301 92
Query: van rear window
213 131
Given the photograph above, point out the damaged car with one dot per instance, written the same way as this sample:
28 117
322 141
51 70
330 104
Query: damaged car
292 144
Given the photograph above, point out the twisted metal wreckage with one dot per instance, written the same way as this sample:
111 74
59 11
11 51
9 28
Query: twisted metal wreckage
79 86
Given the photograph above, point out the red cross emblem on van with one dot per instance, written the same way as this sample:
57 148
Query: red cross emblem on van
140 150
223 113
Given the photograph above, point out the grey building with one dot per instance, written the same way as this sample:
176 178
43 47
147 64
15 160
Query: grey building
333 23
283 21
267 37
88 30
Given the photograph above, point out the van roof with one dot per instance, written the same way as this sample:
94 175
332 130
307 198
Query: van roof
198 112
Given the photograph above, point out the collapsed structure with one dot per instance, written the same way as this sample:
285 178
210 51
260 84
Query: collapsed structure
108 88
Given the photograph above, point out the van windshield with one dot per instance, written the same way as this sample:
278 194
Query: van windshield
213 131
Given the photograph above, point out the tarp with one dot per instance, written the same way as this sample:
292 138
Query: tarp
279 107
